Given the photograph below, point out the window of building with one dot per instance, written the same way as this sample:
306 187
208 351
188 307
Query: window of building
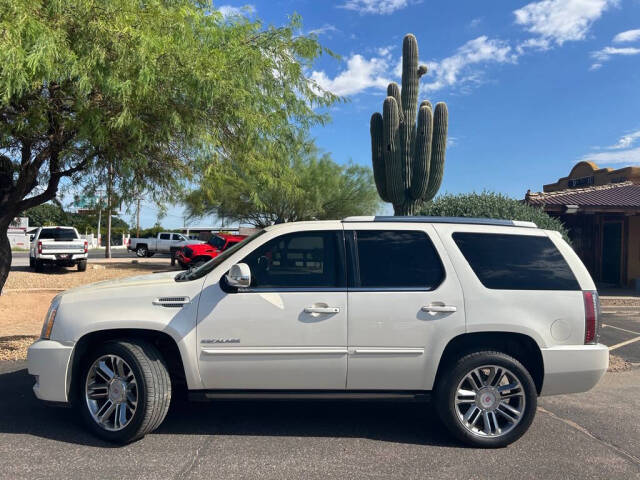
298 260
397 259
516 262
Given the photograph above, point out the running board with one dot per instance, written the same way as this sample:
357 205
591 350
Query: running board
205 395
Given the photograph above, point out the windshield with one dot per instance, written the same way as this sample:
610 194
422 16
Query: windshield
201 271
217 242
58 234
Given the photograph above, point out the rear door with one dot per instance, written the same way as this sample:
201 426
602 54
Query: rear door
164 241
405 303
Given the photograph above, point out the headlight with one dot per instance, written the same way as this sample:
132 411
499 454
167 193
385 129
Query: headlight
49 319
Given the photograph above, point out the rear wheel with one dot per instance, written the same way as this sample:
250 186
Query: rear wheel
141 251
487 399
125 390
37 264
82 265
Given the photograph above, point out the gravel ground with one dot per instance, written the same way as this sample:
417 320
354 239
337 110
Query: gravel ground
64 278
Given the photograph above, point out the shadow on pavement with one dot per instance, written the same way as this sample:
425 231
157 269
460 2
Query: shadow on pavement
412 423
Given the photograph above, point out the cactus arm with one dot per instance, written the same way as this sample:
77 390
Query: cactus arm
393 90
422 155
392 151
438 148
377 147
426 103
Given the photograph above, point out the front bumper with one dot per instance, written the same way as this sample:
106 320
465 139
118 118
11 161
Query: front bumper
573 368
49 361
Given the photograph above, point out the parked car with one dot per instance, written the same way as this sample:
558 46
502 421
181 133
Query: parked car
60 246
483 316
165 242
194 255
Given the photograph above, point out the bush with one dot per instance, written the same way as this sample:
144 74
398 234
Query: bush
491 205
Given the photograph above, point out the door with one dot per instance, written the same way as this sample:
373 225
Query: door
405 302
611 252
164 241
288 330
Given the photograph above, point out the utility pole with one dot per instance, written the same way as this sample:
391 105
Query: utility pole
107 250
138 219
99 218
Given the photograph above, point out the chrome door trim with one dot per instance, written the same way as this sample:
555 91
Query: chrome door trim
387 351
276 351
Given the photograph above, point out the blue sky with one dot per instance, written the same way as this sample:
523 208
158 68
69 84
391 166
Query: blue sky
532 87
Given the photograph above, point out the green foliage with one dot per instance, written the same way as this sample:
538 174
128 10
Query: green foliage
276 183
144 89
490 205
408 159
53 214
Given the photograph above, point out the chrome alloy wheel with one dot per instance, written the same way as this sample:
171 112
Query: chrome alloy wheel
111 392
490 401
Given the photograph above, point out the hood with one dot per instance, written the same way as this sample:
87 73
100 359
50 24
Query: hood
160 278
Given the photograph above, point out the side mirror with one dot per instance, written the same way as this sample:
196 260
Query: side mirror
239 275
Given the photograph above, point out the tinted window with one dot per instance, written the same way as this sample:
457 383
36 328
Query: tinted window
177 236
397 259
516 262
165 236
58 234
216 242
298 260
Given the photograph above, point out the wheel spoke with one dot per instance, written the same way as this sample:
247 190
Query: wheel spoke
469 413
495 376
105 372
466 396
97 391
507 387
487 423
105 411
119 367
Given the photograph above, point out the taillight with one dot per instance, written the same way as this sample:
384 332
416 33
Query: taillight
86 247
39 247
591 316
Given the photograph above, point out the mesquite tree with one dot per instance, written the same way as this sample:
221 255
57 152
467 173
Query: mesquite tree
148 88
408 159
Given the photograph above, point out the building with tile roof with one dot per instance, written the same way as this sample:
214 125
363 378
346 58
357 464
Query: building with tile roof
601 209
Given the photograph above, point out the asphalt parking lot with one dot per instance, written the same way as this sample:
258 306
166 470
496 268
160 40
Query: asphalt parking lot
591 435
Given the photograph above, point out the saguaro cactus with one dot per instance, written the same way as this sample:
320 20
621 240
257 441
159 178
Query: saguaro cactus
408 159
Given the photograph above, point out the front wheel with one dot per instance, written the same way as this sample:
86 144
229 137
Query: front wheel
125 390
487 399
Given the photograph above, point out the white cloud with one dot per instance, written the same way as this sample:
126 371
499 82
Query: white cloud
378 7
455 70
617 156
231 11
360 74
605 54
628 36
559 21
626 141
326 28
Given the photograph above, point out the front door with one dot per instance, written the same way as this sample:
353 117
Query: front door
288 330
611 252
404 304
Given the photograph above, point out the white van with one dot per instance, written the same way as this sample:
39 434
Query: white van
483 316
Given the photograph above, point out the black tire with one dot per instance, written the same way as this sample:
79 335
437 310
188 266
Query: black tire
37 264
173 256
31 262
82 265
154 389
141 251
150 254
446 390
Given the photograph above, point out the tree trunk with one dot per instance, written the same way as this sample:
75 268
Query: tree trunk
5 252
407 208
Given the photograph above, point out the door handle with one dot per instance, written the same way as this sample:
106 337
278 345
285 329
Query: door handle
439 308
322 309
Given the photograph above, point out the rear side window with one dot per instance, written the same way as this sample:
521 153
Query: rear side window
165 236
58 234
397 259
516 262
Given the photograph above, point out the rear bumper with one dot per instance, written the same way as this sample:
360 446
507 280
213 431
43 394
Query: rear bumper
49 361
573 368
53 258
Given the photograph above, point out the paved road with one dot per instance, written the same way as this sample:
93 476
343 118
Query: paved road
594 435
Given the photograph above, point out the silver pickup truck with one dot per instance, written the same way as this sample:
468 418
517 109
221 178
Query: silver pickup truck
59 246
165 242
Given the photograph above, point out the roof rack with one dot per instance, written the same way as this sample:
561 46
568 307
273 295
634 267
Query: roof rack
461 220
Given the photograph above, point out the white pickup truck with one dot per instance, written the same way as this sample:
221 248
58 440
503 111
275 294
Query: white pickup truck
60 246
165 242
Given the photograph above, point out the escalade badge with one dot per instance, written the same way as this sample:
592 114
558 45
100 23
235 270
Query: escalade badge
220 340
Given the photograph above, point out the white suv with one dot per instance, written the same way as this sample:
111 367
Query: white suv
481 315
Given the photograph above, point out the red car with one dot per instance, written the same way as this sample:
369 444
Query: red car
199 253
